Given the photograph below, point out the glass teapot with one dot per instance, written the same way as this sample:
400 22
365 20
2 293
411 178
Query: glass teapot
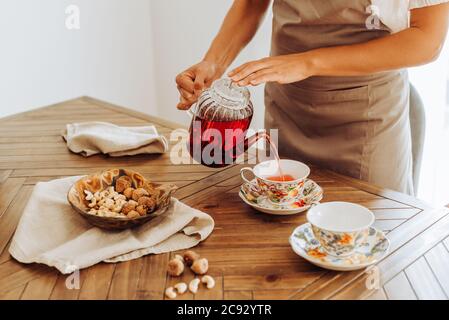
220 121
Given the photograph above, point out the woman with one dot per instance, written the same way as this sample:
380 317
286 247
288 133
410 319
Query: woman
336 85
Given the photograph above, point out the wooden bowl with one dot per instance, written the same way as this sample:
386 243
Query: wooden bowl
103 180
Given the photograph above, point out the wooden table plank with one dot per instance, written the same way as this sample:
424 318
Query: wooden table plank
60 290
8 191
5 256
357 290
446 243
4 174
11 217
238 295
98 281
13 294
399 288
283 294
125 280
14 275
387 214
40 288
423 281
378 295
417 244
153 276
438 260
270 281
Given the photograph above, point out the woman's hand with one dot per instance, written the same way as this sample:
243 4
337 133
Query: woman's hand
282 69
194 80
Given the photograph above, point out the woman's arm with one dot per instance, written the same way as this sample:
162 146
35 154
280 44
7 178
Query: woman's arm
419 44
238 28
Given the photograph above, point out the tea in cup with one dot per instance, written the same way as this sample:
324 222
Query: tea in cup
340 227
282 181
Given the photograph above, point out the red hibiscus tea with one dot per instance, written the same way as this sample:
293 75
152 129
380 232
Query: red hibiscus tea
282 178
218 143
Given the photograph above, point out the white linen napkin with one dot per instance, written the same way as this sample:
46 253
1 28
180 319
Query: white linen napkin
89 138
52 233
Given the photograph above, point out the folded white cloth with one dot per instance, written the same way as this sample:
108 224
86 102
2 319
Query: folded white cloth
89 138
52 233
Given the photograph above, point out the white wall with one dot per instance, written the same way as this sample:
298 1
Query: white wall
182 33
126 52
42 62
432 82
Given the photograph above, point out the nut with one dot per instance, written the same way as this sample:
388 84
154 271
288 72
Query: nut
133 214
109 203
128 193
134 203
190 256
170 293
89 195
123 183
128 207
111 194
175 267
104 194
193 285
209 281
93 203
119 196
200 266
139 193
142 210
181 287
149 203
121 202
116 208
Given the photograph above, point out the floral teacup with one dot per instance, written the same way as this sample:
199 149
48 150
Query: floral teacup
278 192
340 227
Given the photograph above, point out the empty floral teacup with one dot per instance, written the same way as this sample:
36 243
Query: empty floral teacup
340 227
280 186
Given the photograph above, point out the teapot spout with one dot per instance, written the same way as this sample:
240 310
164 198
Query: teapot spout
250 141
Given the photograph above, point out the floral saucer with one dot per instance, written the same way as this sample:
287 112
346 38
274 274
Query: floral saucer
311 195
371 251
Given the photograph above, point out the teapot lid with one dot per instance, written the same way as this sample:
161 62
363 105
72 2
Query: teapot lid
225 101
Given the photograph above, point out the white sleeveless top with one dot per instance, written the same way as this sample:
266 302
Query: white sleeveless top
395 14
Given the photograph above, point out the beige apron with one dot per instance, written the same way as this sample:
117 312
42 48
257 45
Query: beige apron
357 126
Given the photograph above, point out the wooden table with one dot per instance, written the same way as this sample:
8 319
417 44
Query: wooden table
249 253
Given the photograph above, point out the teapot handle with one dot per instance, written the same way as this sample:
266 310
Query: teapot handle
242 174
